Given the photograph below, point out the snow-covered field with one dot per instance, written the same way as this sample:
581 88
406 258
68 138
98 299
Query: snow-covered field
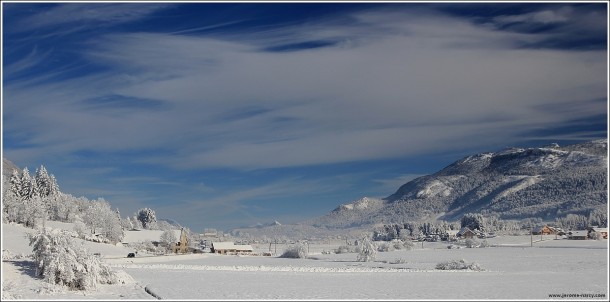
511 270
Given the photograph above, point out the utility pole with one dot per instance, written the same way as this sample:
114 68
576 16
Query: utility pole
531 235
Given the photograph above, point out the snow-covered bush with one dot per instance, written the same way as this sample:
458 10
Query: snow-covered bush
471 243
80 229
167 238
60 261
458 265
344 249
484 243
146 246
368 251
397 244
8 256
98 238
408 244
398 261
384 247
295 251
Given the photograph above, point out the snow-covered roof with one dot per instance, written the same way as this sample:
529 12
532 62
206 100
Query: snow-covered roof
228 245
464 230
541 228
578 233
243 247
452 232
146 235
600 230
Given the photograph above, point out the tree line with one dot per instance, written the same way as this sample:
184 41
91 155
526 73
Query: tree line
32 200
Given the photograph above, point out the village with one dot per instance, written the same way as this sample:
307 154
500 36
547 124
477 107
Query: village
147 242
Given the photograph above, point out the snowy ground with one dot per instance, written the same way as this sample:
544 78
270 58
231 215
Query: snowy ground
512 270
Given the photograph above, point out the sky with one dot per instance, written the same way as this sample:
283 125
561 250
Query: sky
222 115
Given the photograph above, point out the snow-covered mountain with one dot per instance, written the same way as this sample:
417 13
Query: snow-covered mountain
514 183
8 167
275 222
173 223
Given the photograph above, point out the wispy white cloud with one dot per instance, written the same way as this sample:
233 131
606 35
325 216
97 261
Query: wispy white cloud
382 84
560 15
425 82
95 14
390 185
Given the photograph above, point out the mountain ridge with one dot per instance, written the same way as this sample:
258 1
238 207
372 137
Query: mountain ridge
513 183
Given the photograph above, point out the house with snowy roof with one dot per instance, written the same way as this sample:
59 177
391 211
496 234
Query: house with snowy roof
543 230
466 232
229 247
578 235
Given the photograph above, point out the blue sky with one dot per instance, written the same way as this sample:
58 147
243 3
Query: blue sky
224 115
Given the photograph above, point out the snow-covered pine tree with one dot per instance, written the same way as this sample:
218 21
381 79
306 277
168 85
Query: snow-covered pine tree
53 186
43 181
16 186
147 217
473 221
28 185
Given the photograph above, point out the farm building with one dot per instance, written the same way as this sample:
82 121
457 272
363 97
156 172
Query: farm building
230 248
465 232
578 235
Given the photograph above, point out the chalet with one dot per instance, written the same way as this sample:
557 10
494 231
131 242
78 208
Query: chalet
578 235
182 245
543 230
465 232
230 248
595 230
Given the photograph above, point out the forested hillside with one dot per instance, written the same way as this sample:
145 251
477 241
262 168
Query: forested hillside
516 183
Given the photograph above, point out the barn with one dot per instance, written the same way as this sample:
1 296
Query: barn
228 247
578 235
